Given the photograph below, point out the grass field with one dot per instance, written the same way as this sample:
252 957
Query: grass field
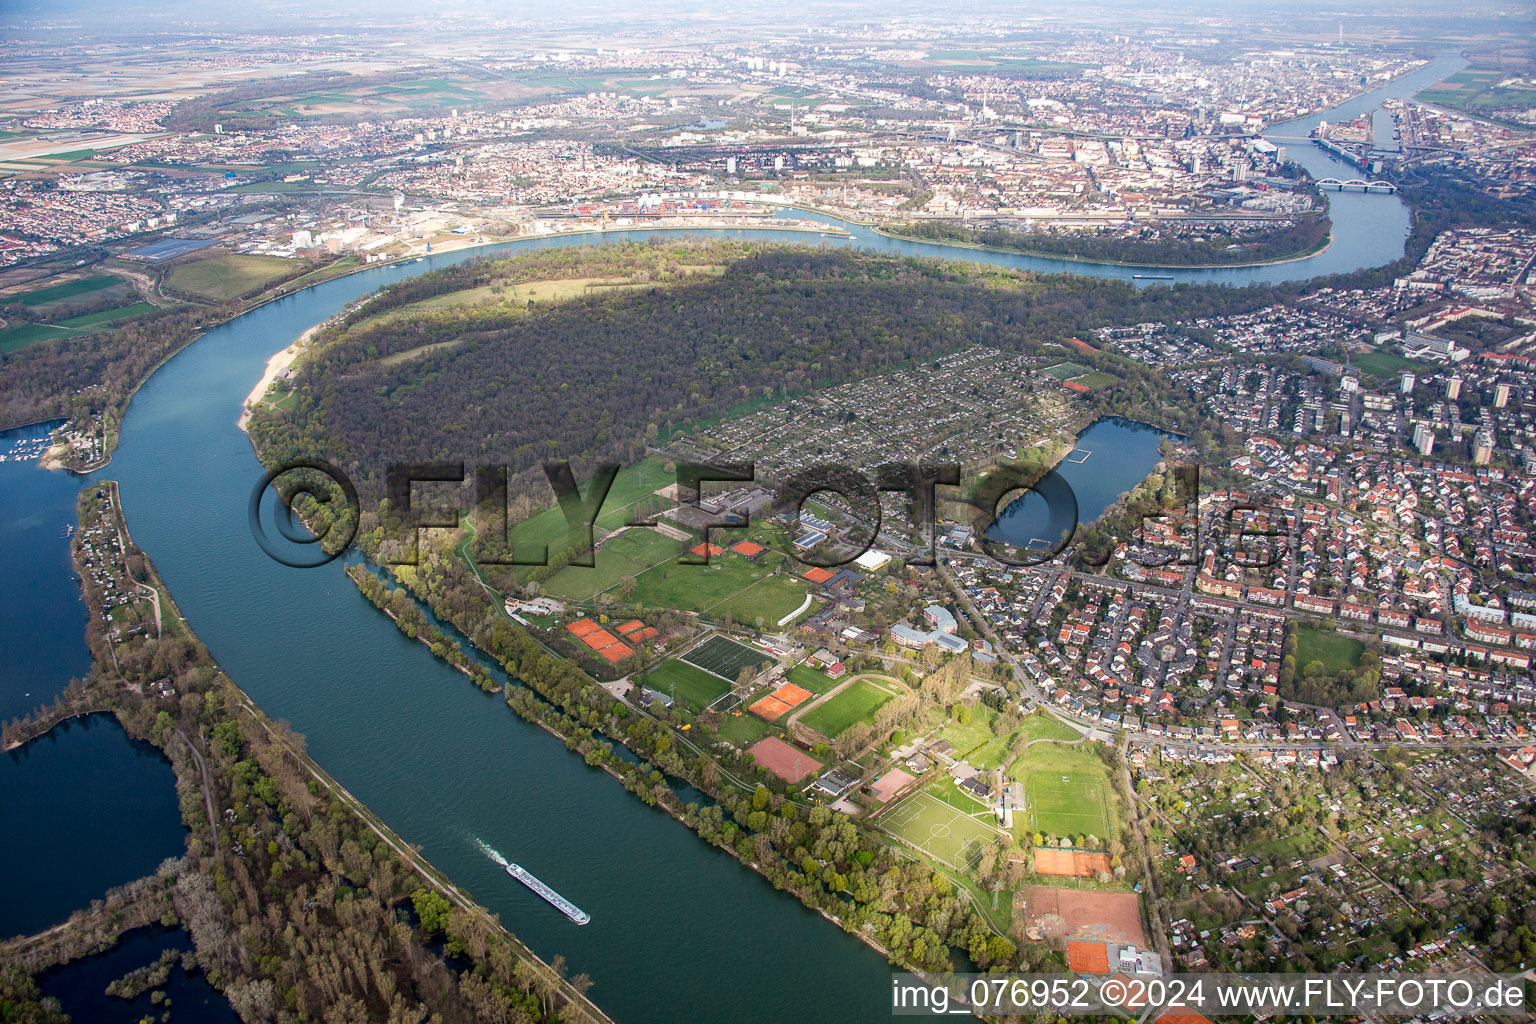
1383 364
1065 371
19 337
768 600
975 741
858 703
725 657
1066 804
811 679
744 729
687 683
626 554
1337 653
1096 379
1080 805
221 278
1044 727
939 830
632 484
67 290
108 316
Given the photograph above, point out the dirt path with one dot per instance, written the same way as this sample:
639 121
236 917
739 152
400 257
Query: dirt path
213 822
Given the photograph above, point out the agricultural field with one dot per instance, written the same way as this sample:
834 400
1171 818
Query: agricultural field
857 703
67 290
1491 92
13 339
222 278
108 316
1337 653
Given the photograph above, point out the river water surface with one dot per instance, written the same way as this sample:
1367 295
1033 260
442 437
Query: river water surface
679 932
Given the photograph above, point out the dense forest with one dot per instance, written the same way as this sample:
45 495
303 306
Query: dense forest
599 376
1148 248
97 373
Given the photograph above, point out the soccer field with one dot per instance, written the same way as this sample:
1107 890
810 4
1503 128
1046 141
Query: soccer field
687 683
1070 803
857 703
724 657
944 833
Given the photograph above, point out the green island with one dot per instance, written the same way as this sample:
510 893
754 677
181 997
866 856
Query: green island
295 875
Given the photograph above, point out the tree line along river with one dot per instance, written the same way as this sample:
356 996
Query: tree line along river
680 932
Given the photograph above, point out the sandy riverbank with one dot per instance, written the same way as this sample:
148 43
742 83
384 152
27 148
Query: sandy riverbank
276 365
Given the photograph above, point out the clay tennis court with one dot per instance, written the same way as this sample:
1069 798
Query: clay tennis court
597 641
705 550
1088 957
617 651
581 627
785 698
788 762
1083 914
889 784
818 575
1071 863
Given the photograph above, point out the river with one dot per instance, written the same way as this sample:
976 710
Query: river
680 932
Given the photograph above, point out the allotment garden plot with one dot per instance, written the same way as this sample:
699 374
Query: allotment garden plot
947 834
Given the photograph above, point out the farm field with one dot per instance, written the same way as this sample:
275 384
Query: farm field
108 316
13 339
857 703
222 278
67 290
1337 653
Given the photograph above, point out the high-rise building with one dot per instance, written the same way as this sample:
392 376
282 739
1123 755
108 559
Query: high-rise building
1482 447
1423 439
1500 395
1409 380
730 165
1453 388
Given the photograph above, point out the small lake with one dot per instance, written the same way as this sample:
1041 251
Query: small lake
80 986
85 809
1109 459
